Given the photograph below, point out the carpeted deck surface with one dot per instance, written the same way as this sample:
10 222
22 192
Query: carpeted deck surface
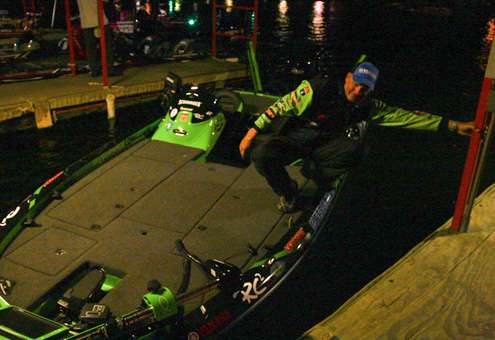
127 215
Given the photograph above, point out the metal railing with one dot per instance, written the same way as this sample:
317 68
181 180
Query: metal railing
254 8
478 148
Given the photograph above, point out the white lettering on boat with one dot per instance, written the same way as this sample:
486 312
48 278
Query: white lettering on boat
321 210
9 216
189 102
252 291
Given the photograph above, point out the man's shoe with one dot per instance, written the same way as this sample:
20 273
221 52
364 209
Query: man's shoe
287 203
286 206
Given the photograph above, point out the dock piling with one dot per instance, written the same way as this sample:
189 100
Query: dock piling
110 99
43 114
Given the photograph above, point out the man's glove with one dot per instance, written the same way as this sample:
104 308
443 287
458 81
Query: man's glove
462 128
246 141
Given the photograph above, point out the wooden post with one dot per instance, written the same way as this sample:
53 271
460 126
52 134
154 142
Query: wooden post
110 99
43 114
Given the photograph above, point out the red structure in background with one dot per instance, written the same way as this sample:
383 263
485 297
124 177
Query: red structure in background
478 146
70 39
29 6
103 45
215 33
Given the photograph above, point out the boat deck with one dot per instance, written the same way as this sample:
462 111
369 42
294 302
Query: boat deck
444 288
127 215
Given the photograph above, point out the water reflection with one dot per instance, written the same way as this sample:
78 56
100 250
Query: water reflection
229 4
317 30
282 22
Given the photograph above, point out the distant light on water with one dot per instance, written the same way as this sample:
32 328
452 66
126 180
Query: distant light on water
229 4
283 7
318 7
317 26
282 21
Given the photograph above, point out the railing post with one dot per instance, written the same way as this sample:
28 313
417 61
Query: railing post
477 149
70 37
253 68
255 28
214 28
103 45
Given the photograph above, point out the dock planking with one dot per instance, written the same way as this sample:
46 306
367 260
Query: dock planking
47 100
443 288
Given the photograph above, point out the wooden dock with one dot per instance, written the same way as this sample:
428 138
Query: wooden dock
444 288
44 101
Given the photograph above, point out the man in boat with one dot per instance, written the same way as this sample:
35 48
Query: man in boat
326 128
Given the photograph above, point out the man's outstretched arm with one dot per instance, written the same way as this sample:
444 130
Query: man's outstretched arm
392 116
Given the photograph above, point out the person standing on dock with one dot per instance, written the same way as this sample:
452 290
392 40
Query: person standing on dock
88 13
326 128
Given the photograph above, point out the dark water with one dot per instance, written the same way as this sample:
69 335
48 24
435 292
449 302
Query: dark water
407 186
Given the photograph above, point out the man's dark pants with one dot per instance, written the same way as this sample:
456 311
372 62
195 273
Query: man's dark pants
325 157
91 43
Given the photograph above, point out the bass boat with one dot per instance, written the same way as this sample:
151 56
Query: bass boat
167 234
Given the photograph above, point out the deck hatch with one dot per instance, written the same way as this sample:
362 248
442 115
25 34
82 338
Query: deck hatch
52 251
102 200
